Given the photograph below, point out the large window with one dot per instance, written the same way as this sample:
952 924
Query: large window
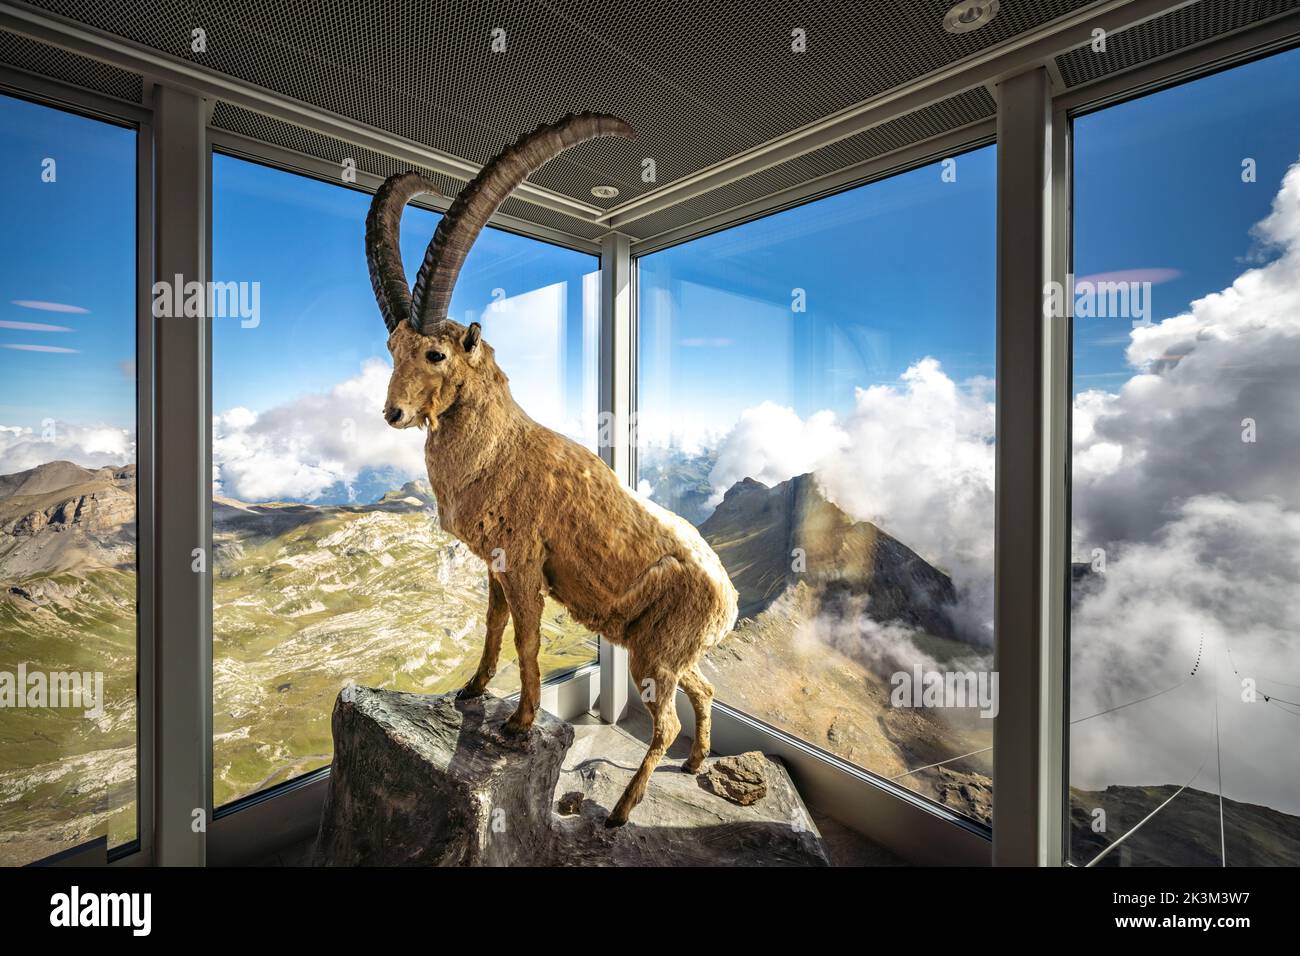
67 482
1185 652
330 564
816 395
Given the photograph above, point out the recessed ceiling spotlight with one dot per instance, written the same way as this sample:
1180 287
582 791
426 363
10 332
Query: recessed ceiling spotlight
970 15
604 192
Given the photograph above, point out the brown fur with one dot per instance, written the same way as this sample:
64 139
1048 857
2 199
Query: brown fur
549 517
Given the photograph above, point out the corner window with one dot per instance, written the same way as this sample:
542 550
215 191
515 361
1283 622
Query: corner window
1185 659
68 583
330 563
816 394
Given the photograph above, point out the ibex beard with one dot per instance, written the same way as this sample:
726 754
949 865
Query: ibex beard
545 514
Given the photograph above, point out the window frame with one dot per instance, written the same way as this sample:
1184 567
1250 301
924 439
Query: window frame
568 701
842 787
1189 67
55 95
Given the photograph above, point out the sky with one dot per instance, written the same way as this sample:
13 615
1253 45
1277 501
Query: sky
1158 187
875 302
719 328
302 240
67 269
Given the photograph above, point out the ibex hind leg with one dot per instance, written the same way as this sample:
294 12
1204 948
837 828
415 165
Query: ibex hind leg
700 692
498 614
660 700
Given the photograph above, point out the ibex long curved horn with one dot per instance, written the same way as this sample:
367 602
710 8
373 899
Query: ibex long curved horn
481 197
383 245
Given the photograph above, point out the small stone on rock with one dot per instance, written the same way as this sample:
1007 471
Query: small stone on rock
570 803
742 779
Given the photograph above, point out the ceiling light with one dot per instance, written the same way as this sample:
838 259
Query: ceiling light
604 192
970 15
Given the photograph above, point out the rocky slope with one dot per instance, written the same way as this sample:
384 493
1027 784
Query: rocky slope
67 603
772 538
815 648
304 598
1185 833
46 526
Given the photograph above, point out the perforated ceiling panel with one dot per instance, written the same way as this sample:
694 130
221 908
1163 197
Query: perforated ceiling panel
922 124
699 82
1160 36
267 130
33 57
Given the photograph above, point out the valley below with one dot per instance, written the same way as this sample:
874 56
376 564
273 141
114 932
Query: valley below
310 597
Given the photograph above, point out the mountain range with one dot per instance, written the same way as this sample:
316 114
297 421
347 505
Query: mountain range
309 596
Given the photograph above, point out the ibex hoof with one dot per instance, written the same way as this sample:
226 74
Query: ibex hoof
613 820
469 692
692 766
513 728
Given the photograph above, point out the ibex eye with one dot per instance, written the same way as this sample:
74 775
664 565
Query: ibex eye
434 356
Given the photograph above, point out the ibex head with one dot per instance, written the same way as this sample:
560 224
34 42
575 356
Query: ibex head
436 360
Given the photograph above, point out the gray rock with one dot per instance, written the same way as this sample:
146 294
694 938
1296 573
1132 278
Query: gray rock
430 780
742 779
681 822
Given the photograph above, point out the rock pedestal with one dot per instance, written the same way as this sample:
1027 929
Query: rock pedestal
432 781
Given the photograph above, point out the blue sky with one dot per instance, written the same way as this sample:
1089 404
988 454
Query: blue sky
302 239
1158 186
69 242
892 271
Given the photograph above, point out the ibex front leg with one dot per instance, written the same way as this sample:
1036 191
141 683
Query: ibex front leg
523 590
498 612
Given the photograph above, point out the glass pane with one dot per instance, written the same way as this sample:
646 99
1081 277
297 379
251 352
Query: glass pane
67 482
816 394
330 562
1185 659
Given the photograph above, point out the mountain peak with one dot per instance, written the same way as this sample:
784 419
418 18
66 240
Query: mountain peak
45 478
773 538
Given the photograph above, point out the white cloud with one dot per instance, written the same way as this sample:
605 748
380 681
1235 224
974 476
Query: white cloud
1201 529
93 446
306 446
915 458
1201 532
771 443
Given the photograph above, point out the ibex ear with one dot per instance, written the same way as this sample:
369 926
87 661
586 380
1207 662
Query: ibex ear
471 340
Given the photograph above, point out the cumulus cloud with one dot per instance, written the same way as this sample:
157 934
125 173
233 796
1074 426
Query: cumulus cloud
303 448
1218 583
914 458
771 443
93 446
1200 528
1201 533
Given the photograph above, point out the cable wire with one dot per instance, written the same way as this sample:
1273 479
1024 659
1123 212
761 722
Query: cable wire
1096 859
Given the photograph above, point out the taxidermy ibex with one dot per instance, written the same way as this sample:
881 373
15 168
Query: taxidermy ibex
625 568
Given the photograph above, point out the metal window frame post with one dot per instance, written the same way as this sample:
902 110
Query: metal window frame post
617 429
182 489
1030 523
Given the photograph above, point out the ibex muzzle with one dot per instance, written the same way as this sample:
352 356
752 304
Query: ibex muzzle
546 514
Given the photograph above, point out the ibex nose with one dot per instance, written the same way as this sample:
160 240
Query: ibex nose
392 414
